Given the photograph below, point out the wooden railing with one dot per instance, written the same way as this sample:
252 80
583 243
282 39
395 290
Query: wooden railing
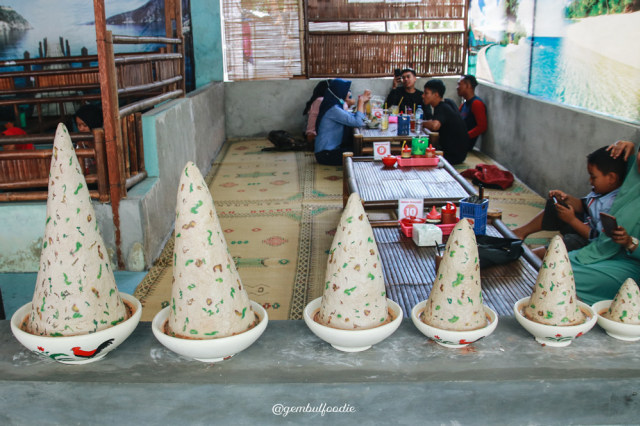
33 84
127 85
24 174
159 75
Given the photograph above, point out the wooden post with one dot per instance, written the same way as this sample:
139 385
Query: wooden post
173 14
124 129
111 118
345 180
140 142
101 164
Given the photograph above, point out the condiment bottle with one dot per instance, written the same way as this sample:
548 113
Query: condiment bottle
406 150
433 216
431 151
449 214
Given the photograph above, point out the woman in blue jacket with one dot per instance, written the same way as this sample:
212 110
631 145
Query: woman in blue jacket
333 120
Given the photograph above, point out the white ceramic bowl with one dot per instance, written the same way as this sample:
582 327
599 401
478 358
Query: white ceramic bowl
81 349
351 340
552 335
210 350
452 338
618 330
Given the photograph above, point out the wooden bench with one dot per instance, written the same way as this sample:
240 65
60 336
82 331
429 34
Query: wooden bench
409 271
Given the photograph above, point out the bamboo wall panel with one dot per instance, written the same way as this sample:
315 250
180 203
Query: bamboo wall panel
68 79
7 84
343 10
364 55
134 74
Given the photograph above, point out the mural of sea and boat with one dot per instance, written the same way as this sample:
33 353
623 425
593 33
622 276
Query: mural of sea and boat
26 24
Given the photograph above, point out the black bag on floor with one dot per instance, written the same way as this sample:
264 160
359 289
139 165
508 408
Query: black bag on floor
283 141
496 250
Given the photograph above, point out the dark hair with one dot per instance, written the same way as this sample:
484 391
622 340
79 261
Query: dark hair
318 92
91 115
435 85
603 161
411 70
471 80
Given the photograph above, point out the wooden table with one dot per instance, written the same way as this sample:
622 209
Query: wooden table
363 138
381 187
409 271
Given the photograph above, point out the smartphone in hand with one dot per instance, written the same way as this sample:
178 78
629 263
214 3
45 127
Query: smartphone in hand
609 223
562 203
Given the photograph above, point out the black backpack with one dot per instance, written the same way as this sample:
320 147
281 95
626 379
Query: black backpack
283 141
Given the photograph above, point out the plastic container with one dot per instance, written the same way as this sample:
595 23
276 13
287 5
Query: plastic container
406 225
428 162
404 124
419 147
447 228
448 213
477 212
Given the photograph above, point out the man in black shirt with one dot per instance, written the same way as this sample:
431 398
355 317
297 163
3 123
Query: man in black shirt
407 96
453 136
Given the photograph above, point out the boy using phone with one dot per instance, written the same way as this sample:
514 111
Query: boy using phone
578 219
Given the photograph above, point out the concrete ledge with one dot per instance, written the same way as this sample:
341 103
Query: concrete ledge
505 378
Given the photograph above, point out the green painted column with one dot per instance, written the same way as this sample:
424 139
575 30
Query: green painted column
206 21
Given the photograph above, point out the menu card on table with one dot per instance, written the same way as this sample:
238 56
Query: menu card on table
410 207
381 150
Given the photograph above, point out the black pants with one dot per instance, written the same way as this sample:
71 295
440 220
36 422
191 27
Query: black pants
551 222
330 158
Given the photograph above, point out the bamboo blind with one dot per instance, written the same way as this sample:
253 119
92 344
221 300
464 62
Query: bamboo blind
262 39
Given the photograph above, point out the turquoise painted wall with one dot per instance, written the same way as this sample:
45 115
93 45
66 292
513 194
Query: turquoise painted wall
207 41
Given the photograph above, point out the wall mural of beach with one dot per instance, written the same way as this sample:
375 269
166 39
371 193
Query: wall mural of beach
578 52
24 24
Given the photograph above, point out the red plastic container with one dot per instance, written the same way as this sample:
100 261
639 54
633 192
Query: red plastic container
447 228
406 225
428 162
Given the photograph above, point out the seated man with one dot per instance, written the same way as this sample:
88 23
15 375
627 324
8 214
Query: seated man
407 96
453 139
473 109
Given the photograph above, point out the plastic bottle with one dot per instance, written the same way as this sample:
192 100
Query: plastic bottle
419 113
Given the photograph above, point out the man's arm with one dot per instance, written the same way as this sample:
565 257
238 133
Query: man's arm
433 125
479 111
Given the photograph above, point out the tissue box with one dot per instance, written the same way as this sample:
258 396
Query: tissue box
426 234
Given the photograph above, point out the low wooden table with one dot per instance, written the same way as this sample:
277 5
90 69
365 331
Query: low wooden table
409 271
363 138
381 187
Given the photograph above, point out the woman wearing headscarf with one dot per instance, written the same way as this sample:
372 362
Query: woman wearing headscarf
333 120
601 267
312 108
